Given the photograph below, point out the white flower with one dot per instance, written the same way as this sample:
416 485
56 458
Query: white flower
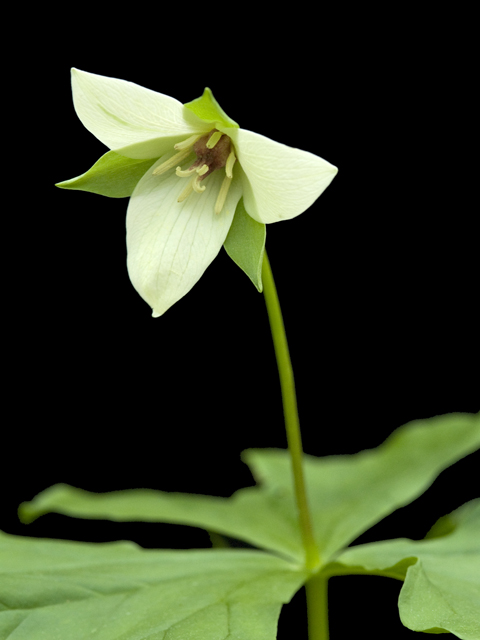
186 168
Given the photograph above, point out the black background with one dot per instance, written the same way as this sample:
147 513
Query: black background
378 280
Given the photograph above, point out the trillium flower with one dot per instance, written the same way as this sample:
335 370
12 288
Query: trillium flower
196 182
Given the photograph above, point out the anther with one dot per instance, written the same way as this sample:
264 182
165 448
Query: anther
202 170
196 185
230 162
184 173
214 138
222 194
189 142
168 164
187 190
214 151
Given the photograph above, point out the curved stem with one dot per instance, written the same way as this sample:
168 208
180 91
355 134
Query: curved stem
292 424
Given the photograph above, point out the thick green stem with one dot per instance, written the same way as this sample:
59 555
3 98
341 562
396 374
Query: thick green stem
292 424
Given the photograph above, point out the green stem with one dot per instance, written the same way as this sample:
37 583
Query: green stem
317 607
292 424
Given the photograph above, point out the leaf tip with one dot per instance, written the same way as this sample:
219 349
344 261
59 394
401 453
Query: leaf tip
26 514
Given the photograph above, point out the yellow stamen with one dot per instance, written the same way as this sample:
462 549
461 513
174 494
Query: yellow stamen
187 190
205 163
168 164
230 162
196 185
189 142
202 170
222 194
184 173
214 138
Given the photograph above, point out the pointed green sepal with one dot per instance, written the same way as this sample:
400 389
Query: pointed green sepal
113 175
207 109
245 244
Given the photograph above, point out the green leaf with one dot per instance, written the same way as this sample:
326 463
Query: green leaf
245 244
349 494
207 109
112 175
211 594
447 524
251 514
441 592
58 590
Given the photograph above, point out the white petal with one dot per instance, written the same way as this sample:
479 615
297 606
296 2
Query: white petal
170 244
128 118
279 182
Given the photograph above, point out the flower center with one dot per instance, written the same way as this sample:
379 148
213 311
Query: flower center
214 151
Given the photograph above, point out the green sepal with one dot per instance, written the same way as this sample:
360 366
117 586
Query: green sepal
207 109
113 175
245 244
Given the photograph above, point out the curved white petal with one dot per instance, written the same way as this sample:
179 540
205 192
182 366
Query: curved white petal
279 182
171 244
122 114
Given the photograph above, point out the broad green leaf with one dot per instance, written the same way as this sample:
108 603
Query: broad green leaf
442 584
251 515
58 590
207 109
245 244
349 494
112 175
446 524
